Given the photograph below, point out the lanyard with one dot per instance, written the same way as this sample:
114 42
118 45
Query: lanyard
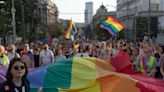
23 89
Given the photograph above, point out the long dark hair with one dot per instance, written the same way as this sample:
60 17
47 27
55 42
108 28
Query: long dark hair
162 49
9 76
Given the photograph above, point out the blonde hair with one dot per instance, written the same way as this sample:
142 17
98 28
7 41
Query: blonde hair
12 46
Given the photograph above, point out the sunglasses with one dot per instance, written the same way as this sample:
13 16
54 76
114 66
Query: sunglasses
1 56
21 67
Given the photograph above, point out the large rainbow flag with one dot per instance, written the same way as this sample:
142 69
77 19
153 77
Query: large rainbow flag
112 26
90 75
71 31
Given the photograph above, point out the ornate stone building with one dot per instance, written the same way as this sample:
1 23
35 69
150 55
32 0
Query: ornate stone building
47 13
127 10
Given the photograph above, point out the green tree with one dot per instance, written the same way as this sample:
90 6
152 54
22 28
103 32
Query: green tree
88 32
142 26
28 6
102 34
4 25
56 30
25 10
5 19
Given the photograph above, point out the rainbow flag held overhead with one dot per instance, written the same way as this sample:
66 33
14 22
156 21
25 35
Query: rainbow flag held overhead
71 31
112 26
90 75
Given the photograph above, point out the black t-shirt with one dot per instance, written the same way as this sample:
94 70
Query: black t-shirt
36 59
19 50
9 86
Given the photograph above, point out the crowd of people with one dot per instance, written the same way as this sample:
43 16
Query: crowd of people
145 57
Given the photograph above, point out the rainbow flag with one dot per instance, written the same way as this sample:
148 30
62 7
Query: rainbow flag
76 45
90 75
112 26
71 31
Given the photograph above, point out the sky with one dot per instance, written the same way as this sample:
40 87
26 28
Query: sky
75 8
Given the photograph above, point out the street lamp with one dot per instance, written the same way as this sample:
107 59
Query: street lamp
1 6
1 2
135 21
13 21
149 21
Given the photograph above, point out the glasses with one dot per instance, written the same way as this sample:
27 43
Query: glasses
21 67
1 56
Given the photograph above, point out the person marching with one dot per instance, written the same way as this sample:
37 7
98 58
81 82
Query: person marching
4 60
46 56
27 56
16 77
147 62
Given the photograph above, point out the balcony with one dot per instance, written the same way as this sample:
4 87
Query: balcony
124 3
152 13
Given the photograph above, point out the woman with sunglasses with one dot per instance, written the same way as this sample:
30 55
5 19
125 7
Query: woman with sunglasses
16 77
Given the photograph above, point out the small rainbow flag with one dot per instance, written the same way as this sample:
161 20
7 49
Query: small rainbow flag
76 45
71 31
112 25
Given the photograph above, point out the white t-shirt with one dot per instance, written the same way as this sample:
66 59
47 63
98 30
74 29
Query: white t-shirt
114 52
12 55
46 57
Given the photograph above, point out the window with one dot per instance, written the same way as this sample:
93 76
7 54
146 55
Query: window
154 7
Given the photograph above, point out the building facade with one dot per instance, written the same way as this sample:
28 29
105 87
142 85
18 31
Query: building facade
102 14
52 12
128 10
88 12
47 13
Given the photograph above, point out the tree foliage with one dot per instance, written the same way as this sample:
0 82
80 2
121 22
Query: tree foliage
56 30
4 25
5 18
88 32
102 34
142 26
29 7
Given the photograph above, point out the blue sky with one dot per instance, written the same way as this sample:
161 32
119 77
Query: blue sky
75 8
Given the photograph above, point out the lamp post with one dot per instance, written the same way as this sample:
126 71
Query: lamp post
23 21
1 6
149 21
13 21
135 22
1 2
